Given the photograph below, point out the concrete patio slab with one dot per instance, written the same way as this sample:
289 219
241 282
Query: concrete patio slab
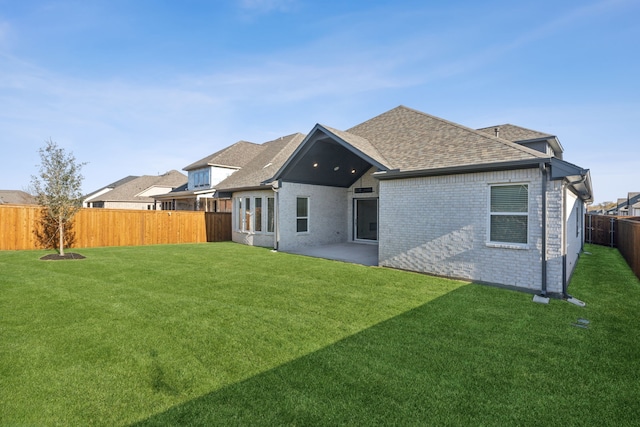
355 253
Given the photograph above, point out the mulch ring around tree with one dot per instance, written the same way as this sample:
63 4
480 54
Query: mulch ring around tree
68 255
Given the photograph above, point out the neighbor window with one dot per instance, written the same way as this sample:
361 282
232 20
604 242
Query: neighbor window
302 214
270 215
509 221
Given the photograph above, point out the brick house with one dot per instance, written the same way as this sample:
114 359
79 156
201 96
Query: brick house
496 205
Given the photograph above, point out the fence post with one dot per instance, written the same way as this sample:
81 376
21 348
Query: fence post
612 231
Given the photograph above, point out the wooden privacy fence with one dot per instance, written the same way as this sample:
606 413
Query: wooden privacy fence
116 227
617 232
629 242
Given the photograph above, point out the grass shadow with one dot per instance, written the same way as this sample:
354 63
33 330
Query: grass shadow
474 356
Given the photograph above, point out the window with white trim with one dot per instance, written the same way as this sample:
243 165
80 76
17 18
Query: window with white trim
302 214
240 217
257 219
509 213
270 214
247 214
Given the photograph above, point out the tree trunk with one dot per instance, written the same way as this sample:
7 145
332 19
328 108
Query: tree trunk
61 235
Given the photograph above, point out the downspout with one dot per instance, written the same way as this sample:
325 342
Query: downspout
276 220
564 242
543 169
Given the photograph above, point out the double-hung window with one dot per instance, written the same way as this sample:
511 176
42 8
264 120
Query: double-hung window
302 214
509 216
247 214
240 217
257 219
270 214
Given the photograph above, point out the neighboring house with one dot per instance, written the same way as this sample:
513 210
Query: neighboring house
434 196
91 198
204 175
135 192
16 197
630 206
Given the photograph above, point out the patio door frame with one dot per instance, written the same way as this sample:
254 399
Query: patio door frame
356 201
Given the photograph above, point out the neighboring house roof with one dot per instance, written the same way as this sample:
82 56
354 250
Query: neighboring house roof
632 199
142 188
265 164
234 156
110 187
16 197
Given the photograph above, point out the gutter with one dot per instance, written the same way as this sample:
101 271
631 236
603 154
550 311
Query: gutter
486 167
564 244
275 186
545 177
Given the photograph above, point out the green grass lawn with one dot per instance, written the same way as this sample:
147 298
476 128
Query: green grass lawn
225 334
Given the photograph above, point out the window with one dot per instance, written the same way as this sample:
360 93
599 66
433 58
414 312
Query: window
239 225
302 214
257 220
270 215
509 221
249 220
247 214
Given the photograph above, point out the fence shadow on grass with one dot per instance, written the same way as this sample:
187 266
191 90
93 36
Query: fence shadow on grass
474 355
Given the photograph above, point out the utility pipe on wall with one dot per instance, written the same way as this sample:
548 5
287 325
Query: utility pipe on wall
543 170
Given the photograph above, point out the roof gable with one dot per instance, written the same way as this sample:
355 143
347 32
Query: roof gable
330 157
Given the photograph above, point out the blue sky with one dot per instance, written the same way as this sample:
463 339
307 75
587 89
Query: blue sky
143 87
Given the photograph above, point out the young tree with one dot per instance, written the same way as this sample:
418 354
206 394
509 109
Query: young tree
58 187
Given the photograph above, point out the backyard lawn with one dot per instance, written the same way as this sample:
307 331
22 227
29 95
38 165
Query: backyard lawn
225 334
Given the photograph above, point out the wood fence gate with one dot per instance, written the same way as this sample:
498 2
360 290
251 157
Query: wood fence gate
601 230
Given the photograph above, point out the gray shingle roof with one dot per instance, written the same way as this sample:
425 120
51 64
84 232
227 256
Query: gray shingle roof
412 140
515 133
360 143
130 189
16 197
264 165
234 156
113 185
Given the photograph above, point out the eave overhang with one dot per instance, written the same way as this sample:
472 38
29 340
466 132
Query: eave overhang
226 193
456 170
577 178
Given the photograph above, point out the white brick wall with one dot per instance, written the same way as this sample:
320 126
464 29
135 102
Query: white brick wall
575 229
327 215
439 225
